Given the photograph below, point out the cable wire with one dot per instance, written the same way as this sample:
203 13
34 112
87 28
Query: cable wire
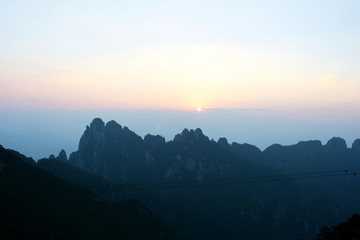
229 181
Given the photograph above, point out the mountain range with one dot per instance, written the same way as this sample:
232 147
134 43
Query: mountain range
207 189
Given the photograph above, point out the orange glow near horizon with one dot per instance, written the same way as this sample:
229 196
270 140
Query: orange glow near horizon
178 77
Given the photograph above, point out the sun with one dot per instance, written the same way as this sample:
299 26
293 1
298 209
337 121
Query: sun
199 109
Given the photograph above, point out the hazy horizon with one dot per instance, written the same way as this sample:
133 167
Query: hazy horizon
41 133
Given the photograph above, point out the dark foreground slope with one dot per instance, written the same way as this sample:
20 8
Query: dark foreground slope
34 204
349 230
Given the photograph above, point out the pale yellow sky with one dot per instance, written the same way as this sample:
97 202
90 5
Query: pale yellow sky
178 76
276 55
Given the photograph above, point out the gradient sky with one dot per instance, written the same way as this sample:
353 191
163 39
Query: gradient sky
296 61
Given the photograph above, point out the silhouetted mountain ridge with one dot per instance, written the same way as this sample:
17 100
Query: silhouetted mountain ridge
118 154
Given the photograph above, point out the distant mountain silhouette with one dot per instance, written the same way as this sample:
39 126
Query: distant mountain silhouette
239 210
35 204
312 156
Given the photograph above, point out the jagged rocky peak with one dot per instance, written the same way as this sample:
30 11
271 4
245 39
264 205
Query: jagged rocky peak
113 130
185 133
154 140
98 135
52 157
198 133
223 142
97 123
356 145
73 157
336 143
112 124
62 156
191 135
93 134
181 136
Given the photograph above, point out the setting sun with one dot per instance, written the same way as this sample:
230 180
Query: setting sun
199 109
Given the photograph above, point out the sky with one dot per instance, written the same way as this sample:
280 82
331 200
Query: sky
261 71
